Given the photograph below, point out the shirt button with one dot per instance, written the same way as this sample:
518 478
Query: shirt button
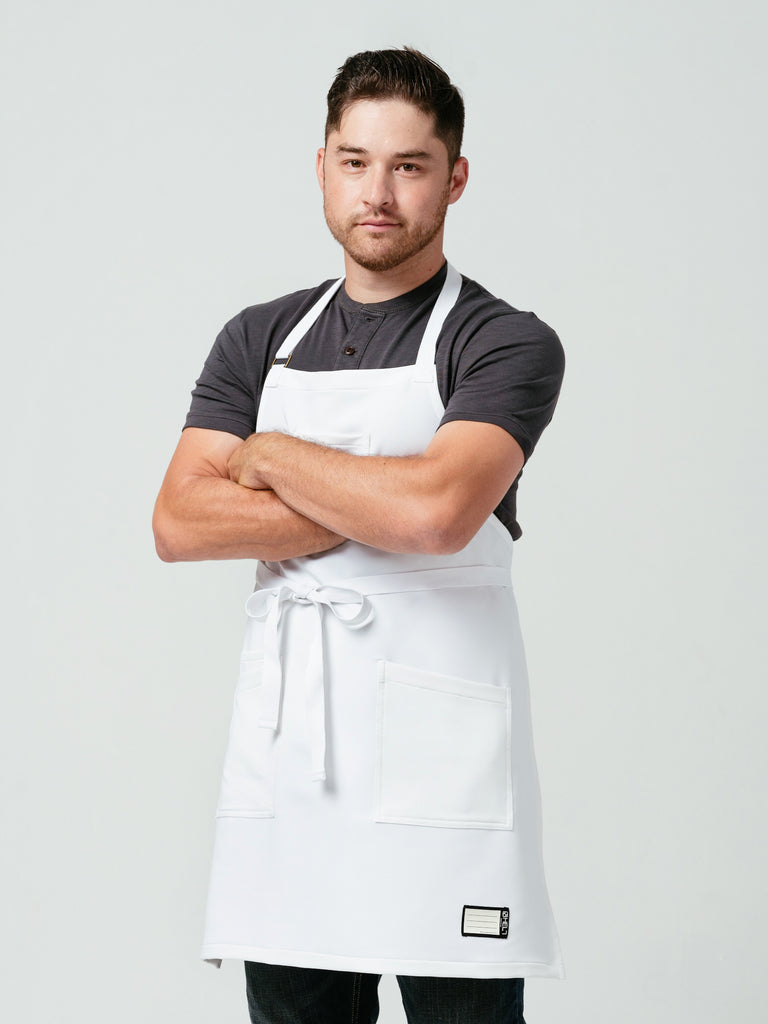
350 350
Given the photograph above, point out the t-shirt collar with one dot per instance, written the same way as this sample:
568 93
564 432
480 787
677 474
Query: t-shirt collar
407 301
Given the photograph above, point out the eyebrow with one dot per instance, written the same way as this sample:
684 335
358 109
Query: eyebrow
413 154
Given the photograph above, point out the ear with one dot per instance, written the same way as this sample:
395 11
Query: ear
320 168
459 178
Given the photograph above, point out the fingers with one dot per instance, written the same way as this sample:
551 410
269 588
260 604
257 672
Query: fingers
243 465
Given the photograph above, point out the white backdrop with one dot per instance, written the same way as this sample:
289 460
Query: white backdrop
158 178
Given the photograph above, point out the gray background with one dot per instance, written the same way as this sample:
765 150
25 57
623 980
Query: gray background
158 178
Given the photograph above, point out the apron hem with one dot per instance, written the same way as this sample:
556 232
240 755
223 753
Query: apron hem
214 954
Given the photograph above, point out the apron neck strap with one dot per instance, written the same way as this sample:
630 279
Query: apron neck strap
425 361
446 300
283 354
301 328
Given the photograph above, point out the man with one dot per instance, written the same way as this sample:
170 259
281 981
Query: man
363 440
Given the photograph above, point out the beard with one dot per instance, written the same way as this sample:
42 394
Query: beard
389 250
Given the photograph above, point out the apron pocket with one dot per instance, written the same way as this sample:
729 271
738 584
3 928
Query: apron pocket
355 444
247 785
443 750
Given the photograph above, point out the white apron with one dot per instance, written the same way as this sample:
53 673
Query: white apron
379 808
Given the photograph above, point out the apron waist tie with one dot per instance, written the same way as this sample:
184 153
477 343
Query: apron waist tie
348 602
269 606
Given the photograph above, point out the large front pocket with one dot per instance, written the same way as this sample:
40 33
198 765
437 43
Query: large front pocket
247 785
443 750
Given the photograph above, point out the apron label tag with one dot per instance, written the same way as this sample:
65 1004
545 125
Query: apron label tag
491 922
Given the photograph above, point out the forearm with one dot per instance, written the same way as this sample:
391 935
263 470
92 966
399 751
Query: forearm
397 504
210 517
432 503
381 507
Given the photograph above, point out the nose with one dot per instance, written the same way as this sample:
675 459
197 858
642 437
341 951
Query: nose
377 190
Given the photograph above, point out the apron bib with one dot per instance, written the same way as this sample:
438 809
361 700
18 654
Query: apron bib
379 807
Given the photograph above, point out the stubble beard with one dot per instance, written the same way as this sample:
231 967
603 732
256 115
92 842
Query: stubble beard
382 252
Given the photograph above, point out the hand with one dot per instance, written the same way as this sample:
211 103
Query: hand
243 465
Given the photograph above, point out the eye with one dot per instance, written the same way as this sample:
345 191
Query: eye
408 168
353 163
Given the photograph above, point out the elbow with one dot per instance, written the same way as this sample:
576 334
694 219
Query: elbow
168 542
164 551
440 543
442 532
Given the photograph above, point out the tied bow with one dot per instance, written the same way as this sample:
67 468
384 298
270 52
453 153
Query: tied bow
348 605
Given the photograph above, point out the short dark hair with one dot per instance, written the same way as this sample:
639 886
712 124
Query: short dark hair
403 74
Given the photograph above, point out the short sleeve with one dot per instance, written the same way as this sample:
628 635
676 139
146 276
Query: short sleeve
224 397
508 372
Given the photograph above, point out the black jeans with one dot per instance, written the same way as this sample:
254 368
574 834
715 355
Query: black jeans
303 995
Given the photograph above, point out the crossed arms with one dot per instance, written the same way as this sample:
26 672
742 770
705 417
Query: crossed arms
274 496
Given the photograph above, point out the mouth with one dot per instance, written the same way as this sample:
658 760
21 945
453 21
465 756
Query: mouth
378 225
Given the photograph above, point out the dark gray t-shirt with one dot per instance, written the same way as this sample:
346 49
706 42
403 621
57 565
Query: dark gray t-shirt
495 364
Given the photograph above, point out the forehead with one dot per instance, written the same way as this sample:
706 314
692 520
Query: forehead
387 124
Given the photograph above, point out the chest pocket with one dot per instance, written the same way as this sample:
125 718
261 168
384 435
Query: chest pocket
354 443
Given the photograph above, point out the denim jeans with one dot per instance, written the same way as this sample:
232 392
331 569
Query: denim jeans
303 995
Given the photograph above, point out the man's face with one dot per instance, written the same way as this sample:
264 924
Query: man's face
387 183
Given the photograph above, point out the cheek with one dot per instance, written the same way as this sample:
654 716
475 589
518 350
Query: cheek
337 192
425 203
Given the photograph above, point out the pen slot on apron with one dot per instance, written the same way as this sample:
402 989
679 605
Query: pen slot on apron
443 750
247 786
354 443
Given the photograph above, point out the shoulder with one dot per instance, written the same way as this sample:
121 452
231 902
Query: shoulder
227 392
265 322
501 365
483 320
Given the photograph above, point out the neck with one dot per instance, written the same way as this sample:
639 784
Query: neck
363 285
